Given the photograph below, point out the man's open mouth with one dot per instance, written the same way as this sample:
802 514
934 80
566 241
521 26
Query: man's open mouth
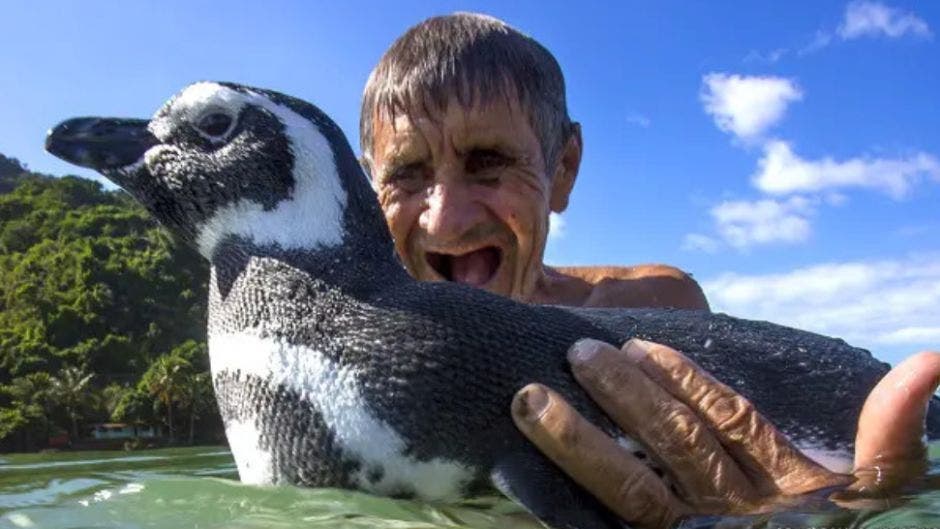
474 268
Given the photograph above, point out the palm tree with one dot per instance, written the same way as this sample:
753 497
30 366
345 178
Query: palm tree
166 380
70 390
110 397
196 396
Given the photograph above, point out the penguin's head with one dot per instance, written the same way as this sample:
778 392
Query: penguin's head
221 160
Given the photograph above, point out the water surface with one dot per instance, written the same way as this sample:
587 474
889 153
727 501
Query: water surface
198 488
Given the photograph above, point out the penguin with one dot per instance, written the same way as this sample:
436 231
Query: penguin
334 368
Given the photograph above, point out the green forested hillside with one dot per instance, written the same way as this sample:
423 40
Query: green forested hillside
102 314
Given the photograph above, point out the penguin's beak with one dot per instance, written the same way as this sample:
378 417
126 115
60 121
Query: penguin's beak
100 143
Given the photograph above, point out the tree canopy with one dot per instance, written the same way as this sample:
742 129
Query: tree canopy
89 286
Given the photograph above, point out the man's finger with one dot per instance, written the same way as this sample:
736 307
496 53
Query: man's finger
677 436
750 438
594 460
891 425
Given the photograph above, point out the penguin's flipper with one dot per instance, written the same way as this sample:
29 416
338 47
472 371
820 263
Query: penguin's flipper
531 480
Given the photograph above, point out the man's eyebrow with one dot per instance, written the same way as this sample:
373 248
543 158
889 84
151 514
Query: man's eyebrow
489 143
403 157
397 161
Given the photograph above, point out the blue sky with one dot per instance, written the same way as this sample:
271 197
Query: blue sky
785 153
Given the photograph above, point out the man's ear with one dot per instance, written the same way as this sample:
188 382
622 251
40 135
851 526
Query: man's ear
566 170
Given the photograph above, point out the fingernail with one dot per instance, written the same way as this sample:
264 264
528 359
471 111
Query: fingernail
583 350
531 403
636 349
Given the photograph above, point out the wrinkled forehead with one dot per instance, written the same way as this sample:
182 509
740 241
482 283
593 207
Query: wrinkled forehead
198 98
497 120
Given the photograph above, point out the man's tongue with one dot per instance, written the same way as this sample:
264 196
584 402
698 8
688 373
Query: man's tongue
474 268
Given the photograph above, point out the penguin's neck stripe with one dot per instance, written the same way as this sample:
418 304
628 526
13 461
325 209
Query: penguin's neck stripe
311 218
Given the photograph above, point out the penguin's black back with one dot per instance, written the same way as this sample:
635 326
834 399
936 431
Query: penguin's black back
479 349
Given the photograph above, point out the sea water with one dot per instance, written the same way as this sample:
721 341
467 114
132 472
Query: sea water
197 487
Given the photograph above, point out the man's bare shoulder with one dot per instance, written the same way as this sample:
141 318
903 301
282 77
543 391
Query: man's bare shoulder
648 285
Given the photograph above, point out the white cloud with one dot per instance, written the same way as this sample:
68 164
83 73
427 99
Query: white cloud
747 106
908 335
869 19
821 39
744 223
877 304
872 19
697 241
556 226
781 171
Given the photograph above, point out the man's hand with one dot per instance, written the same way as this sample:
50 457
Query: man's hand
723 455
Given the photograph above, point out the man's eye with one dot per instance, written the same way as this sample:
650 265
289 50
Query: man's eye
410 178
479 160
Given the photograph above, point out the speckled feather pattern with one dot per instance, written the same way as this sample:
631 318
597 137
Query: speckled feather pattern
440 362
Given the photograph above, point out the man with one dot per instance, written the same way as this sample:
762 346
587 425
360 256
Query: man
467 196
465 131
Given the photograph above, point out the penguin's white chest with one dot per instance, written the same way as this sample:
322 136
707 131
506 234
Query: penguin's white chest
334 391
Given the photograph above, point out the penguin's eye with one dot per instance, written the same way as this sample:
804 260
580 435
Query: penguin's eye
214 124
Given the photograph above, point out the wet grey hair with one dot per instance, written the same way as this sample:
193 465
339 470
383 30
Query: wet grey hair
476 58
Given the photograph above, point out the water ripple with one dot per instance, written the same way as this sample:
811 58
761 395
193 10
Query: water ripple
82 462
50 494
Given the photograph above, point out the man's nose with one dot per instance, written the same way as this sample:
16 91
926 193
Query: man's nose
451 212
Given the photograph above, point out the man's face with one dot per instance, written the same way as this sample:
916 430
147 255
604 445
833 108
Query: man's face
466 195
